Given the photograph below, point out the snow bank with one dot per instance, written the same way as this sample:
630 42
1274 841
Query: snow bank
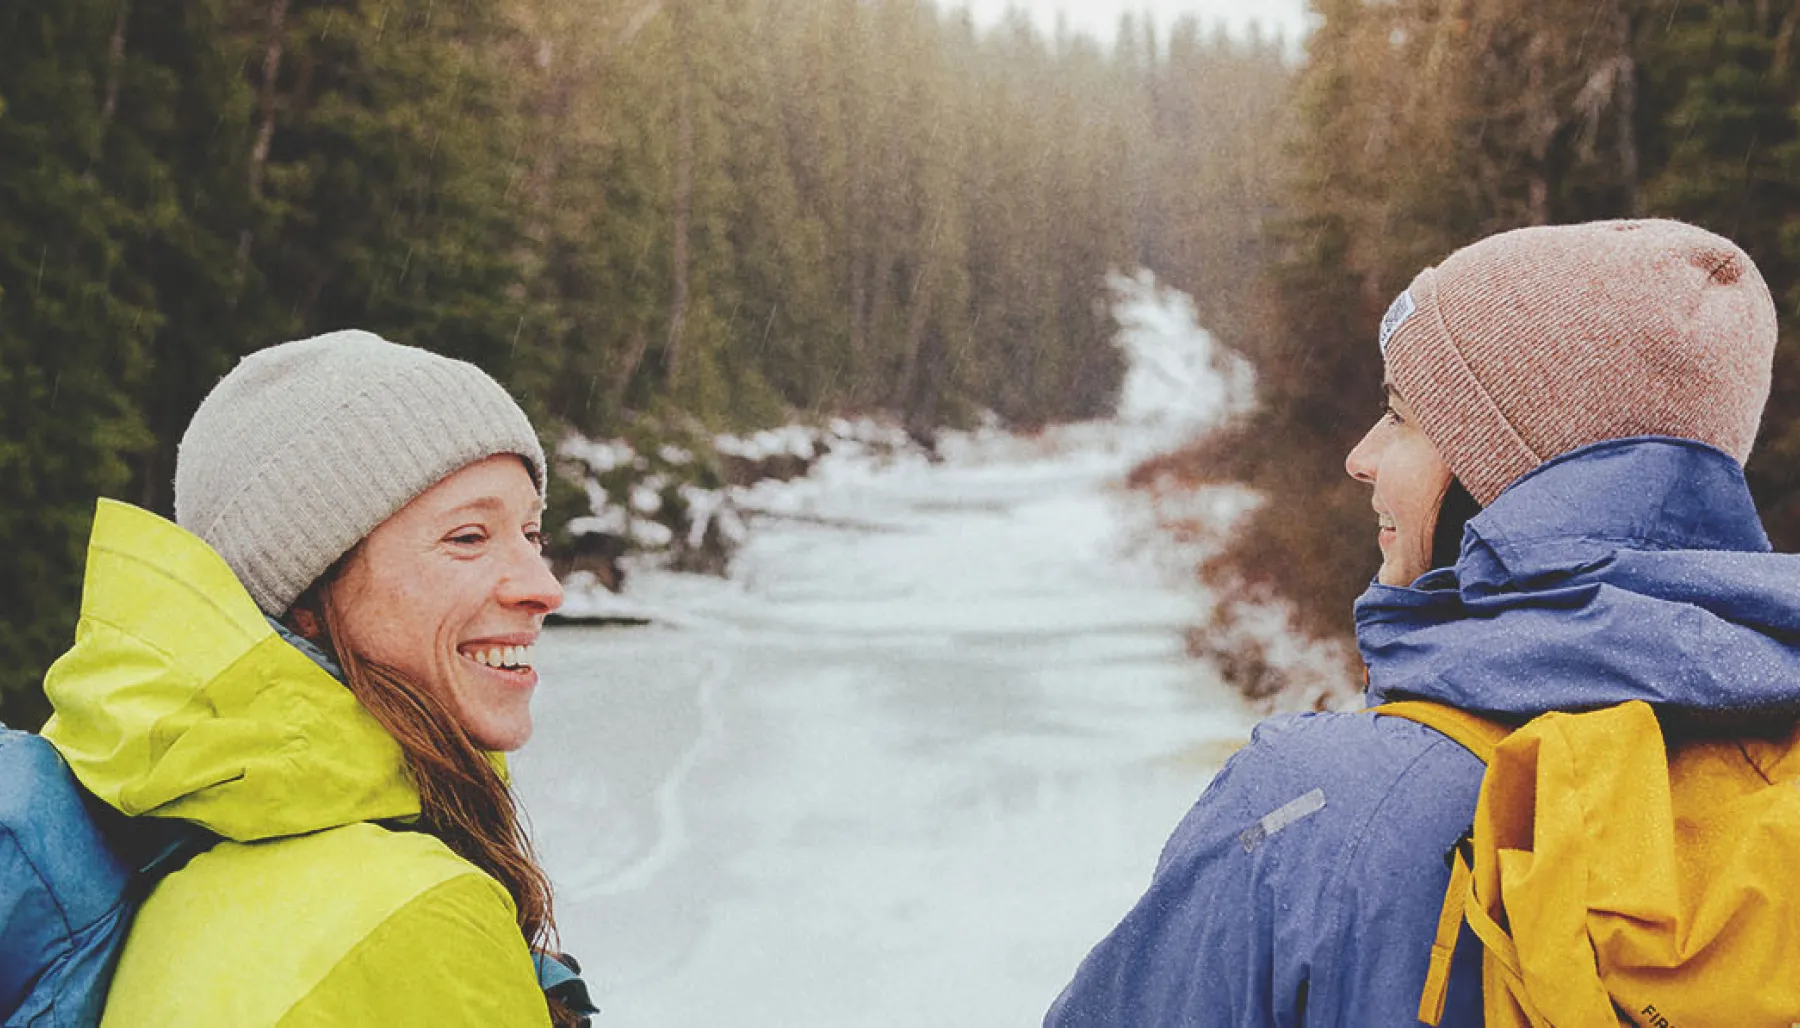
1181 385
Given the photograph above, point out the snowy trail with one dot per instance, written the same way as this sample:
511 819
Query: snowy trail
901 772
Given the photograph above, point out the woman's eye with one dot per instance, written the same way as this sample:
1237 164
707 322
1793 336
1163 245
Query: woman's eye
536 539
1388 413
468 538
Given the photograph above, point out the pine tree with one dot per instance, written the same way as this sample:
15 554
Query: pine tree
176 151
389 135
646 217
1726 155
73 326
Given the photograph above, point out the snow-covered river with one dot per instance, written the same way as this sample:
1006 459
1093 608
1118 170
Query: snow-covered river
904 768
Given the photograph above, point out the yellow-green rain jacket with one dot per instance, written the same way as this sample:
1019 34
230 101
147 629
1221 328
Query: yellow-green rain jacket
179 700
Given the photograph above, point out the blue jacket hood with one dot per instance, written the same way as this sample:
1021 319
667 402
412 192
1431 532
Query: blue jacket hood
1629 569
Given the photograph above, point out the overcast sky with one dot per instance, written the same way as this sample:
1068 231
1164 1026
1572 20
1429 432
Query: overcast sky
1100 18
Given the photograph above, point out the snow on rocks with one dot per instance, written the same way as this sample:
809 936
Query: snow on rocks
600 456
686 505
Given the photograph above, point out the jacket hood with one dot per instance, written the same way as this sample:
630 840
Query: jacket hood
1629 569
179 699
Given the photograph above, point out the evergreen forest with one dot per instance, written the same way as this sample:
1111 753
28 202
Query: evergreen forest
1418 126
676 217
644 216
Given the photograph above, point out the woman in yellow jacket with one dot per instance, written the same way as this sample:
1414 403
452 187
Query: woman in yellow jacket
321 663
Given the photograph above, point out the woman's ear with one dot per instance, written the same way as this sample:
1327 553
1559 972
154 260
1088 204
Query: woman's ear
306 624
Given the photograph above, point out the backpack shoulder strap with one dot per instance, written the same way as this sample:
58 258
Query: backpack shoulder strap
1479 736
1475 733
559 975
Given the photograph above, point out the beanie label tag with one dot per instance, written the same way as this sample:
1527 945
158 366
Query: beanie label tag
1396 315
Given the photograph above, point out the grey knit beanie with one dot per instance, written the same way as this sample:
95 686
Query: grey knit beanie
305 447
1535 342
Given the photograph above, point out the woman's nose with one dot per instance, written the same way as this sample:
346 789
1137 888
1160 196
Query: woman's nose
530 583
1364 457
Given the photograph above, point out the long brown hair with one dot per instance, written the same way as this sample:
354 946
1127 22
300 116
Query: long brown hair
462 799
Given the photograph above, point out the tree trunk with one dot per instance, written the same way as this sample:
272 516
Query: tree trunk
917 317
265 99
853 112
1627 111
115 60
1540 122
628 366
684 193
866 382
1784 42
859 294
265 103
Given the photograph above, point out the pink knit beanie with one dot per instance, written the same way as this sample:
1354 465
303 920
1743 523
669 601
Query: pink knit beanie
1535 342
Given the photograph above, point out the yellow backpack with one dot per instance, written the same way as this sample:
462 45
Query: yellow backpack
1614 878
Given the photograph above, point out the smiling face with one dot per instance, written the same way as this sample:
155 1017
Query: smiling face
451 592
1410 480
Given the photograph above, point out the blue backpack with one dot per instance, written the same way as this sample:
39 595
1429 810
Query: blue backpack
72 873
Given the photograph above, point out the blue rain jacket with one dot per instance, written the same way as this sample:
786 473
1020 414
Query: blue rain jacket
1304 886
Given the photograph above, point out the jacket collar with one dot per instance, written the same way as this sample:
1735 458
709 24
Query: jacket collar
1647 493
180 699
1630 569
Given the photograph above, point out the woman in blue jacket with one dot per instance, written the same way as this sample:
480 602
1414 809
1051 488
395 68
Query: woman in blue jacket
1558 493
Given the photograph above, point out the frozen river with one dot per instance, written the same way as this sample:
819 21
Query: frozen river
904 768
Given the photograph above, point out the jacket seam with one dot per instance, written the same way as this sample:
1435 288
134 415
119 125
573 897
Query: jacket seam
124 553
377 934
